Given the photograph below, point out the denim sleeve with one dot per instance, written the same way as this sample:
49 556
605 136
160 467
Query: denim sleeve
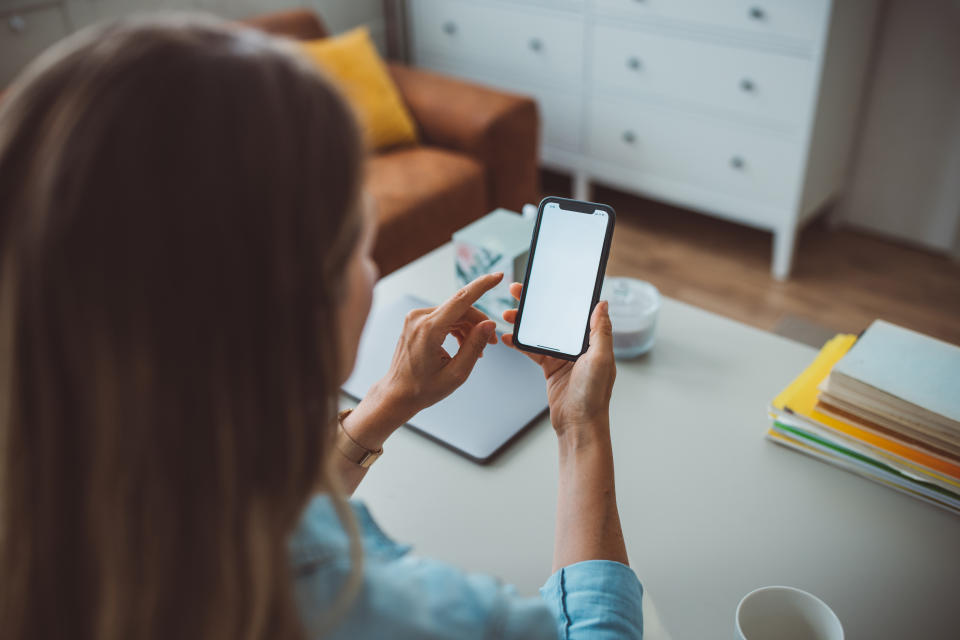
596 600
412 598
450 603
403 596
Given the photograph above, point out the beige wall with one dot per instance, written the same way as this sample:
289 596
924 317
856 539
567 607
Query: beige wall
27 27
906 171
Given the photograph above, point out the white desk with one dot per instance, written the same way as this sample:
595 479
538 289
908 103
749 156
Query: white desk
710 509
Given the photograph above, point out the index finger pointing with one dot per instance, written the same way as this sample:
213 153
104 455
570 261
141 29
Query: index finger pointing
463 299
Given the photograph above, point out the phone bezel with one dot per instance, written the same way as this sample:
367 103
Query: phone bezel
580 206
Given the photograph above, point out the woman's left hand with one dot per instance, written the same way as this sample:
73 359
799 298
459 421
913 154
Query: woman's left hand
422 372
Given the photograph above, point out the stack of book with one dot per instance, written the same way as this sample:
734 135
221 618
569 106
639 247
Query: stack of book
885 405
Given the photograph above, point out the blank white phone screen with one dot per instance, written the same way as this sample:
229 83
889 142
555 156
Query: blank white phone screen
562 278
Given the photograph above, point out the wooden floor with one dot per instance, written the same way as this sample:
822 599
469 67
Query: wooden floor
842 279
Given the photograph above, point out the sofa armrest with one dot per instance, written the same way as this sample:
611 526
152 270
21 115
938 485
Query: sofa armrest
501 130
299 24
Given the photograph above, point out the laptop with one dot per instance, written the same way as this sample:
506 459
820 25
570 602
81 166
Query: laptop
505 393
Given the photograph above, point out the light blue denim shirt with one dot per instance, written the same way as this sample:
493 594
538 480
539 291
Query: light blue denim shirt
406 596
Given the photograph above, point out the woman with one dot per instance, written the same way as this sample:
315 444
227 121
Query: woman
185 273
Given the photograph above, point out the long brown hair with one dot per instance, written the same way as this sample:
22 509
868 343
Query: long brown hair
178 201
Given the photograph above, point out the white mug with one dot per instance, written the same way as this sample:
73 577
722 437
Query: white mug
785 613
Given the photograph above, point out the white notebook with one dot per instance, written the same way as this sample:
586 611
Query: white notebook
906 366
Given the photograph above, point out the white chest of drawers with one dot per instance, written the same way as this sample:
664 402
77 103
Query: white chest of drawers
738 109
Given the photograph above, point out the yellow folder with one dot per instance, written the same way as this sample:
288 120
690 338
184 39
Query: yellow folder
800 397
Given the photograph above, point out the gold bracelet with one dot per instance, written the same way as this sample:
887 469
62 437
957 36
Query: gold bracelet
350 448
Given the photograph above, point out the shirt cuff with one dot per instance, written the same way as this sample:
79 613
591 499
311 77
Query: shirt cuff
596 599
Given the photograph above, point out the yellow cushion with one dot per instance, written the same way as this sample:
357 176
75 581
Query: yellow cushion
352 62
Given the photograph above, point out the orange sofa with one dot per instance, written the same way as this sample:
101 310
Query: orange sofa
478 151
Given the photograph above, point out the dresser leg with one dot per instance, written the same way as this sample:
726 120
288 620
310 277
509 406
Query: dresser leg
581 186
784 240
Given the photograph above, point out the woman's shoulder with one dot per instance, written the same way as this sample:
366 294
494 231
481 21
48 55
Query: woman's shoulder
321 539
403 595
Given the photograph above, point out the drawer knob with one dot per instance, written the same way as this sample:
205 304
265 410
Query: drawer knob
17 24
747 85
536 44
629 137
737 163
449 28
757 13
634 63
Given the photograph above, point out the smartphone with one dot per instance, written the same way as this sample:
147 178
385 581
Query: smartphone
568 257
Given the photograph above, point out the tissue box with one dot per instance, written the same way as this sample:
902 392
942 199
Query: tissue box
499 241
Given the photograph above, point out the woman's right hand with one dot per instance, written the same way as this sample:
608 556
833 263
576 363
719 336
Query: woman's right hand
578 392
422 372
